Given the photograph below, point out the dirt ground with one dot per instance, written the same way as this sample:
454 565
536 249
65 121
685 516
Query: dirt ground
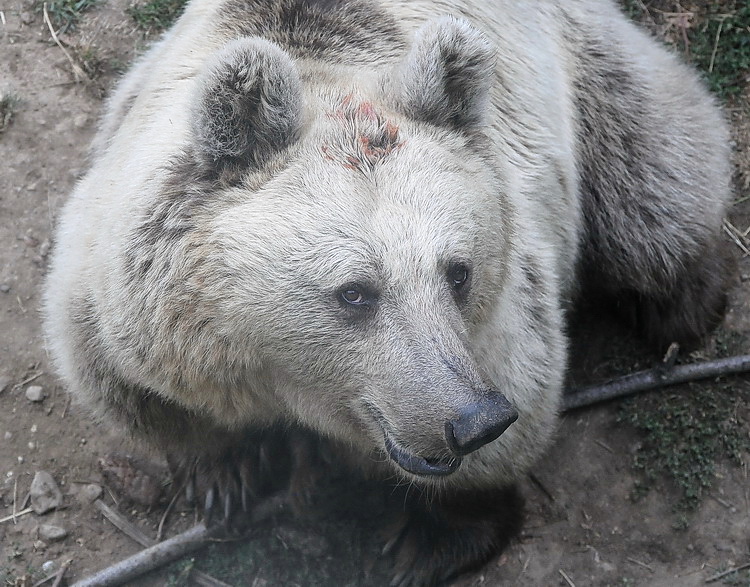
582 526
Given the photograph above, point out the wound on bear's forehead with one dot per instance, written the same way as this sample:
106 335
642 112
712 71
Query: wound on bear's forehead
368 136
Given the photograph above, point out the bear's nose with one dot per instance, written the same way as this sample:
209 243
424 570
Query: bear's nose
479 423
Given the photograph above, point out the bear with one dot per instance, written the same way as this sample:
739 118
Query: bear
364 224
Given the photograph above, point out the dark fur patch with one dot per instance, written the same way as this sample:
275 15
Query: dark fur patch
171 217
643 248
338 31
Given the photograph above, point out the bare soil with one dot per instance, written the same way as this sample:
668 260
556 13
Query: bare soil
582 526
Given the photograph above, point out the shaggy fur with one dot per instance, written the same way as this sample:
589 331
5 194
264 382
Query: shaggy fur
365 218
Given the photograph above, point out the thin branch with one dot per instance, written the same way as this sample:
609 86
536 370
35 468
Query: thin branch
165 552
152 558
61 573
728 572
16 515
653 378
716 47
123 525
77 71
568 580
205 580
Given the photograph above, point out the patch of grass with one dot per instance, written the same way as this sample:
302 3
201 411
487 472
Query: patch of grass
156 15
90 60
9 102
713 34
721 46
685 433
65 14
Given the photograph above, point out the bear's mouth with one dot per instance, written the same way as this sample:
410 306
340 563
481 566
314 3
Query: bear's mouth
438 466
422 466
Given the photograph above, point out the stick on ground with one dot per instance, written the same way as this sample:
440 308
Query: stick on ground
165 552
152 558
653 378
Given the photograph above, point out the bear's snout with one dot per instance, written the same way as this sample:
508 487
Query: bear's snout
480 423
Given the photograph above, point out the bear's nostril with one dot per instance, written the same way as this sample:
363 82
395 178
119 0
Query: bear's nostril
479 424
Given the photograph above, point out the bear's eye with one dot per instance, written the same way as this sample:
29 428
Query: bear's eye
458 275
353 296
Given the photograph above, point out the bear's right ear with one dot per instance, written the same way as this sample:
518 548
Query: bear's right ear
446 77
248 107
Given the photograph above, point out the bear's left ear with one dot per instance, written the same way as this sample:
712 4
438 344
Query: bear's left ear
446 77
248 105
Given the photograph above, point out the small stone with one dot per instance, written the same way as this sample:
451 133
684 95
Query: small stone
34 393
20 460
45 494
44 248
49 567
27 18
90 493
8 435
52 533
81 120
40 545
4 288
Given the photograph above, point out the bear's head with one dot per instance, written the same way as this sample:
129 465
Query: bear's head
362 241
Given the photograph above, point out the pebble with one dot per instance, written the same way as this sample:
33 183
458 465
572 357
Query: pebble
90 493
4 287
44 248
34 393
45 494
52 533
49 566
8 435
27 18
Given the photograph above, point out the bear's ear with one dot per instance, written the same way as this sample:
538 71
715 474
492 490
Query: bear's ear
248 107
446 77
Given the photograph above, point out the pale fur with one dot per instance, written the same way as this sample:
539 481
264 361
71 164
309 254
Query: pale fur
235 324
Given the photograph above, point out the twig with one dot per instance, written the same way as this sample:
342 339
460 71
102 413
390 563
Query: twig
152 558
653 378
716 47
165 552
77 71
733 235
205 580
728 572
16 515
61 573
604 446
536 481
29 379
567 579
123 525
640 564
65 409
15 494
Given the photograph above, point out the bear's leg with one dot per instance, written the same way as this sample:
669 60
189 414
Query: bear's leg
445 534
688 311
684 309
